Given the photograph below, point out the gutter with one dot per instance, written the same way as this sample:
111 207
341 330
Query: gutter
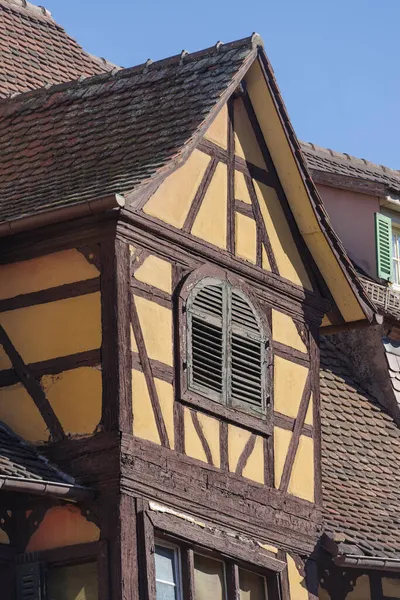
58 215
354 561
46 488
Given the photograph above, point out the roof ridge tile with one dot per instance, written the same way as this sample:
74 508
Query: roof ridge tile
28 6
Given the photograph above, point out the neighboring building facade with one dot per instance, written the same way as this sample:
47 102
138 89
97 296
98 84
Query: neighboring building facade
166 265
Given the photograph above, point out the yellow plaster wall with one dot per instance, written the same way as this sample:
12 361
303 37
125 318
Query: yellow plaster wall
218 130
193 445
237 439
254 467
246 145
144 423
241 191
44 272
4 539
156 272
309 420
361 590
282 439
246 238
156 324
63 526
298 590
265 260
134 347
165 392
301 482
391 587
55 329
18 411
172 201
323 594
297 195
284 331
76 398
5 362
289 381
285 251
210 223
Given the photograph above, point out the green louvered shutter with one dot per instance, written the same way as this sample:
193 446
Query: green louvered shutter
383 233
29 584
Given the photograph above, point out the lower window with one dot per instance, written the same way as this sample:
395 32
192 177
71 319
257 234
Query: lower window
183 572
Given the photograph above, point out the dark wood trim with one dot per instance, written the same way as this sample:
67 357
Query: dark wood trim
232 580
187 559
179 272
61 292
33 387
137 259
315 388
145 534
292 299
231 415
116 344
294 442
92 254
179 427
285 422
53 366
289 353
284 576
64 555
244 209
376 588
269 461
220 543
240 164
149 292
146 366
220 497
245 455
159 369
262 230
230 225
202 437
223 445
199 196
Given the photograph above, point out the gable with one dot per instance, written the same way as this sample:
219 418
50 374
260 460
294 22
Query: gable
244 191
225 196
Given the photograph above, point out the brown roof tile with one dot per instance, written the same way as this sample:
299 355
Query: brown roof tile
35 50
360 464
22 468
107 134
339 168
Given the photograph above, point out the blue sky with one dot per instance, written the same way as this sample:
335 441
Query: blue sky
337 63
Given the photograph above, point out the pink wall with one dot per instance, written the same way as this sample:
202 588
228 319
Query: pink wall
352 217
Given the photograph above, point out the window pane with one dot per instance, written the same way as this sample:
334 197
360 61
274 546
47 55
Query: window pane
78 582
252 586
166 569
208 578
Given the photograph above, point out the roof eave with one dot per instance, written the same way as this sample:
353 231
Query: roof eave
38 487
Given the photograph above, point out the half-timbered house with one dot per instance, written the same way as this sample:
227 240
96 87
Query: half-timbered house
166 266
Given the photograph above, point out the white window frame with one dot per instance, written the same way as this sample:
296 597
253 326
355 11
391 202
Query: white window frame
396 255
176 566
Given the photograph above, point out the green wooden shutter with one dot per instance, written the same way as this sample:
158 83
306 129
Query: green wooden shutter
383 233
29 582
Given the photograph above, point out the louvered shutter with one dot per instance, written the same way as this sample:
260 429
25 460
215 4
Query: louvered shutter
383 232
246 367
206 340
29 583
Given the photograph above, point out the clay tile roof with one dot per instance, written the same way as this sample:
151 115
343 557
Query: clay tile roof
87 139
22 468
360 461
35 50
338 167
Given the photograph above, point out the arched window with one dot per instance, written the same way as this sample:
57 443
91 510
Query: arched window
226 346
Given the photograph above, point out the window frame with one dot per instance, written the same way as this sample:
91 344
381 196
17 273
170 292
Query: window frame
395 259
158 541
74 555
258 421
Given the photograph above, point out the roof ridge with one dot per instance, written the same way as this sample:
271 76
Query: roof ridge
39 11
184 57
349 158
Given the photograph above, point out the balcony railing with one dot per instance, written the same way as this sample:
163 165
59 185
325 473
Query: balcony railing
382 296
